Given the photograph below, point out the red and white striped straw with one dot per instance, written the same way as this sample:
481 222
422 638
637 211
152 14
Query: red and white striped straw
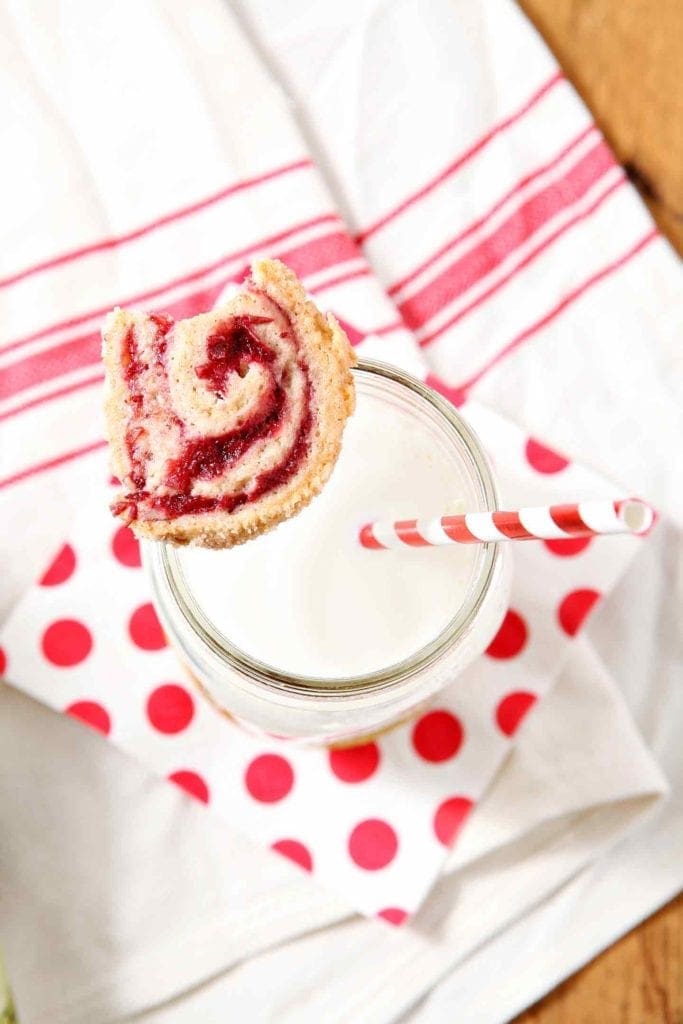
549 522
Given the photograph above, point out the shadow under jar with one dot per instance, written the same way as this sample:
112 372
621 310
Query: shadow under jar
305 634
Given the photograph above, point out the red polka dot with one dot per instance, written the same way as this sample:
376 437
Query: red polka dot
296 851
66 643
92 713
269 778
145 629
373 844
61 568
450 817
3 662
438 736
512 709
126 548
170 708
355 764
192 783
394 915
114 481
574 609
543 459
510 638
565 547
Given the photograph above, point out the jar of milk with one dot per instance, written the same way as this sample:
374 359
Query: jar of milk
304 633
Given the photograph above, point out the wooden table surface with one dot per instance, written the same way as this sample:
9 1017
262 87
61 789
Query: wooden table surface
625 57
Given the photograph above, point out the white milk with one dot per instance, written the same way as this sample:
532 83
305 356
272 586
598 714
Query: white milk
307 598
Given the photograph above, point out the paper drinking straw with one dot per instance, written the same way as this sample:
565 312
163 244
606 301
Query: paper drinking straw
548 522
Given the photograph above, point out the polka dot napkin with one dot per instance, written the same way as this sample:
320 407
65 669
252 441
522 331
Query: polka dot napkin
374 822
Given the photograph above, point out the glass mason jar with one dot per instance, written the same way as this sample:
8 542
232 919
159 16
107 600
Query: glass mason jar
350 709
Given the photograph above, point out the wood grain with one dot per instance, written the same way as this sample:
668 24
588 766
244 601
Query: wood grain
625 57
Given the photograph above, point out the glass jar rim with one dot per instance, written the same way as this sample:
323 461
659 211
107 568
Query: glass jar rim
162 560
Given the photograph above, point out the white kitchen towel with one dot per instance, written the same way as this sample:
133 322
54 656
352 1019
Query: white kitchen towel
39 38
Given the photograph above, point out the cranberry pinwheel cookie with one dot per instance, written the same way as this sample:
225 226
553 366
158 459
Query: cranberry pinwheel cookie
223 425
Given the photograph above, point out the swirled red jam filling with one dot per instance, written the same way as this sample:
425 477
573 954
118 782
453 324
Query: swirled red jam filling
230 351
207 457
